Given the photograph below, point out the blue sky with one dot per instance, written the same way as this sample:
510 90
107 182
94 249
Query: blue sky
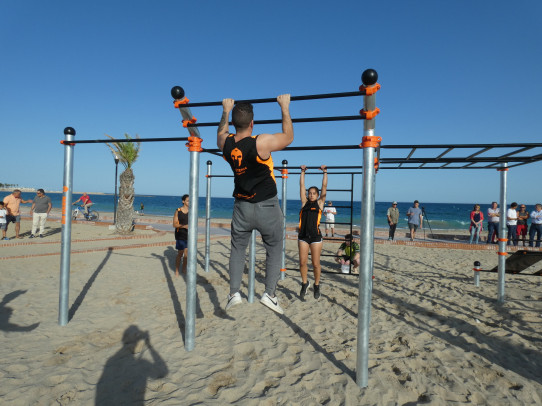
451 72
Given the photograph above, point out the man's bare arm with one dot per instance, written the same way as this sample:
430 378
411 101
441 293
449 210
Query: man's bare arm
268 143
223 127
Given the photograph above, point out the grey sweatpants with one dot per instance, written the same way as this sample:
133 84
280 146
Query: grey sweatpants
266 217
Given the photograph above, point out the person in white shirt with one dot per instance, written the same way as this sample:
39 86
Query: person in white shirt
3 222
512 224
330 212
536 225
493 214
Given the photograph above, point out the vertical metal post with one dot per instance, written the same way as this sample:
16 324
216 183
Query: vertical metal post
284 201
191 296
191 274
66 233
251 269
476 269
502 233
369 144
208 218
115 201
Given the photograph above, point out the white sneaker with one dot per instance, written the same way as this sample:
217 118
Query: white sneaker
233 300
272 303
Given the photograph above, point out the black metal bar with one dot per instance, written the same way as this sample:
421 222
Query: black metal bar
459 146
313 148
444 153
335 167
294 120
219 176
128 140
212 151
517 151
329 173
495 160
322 147
274 99
479 152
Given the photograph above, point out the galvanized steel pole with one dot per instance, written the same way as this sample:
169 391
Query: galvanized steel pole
369 145
208 218
195 149
502 234
66 233
191 276
284 201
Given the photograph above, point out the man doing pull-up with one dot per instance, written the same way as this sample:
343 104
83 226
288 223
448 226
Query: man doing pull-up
256 204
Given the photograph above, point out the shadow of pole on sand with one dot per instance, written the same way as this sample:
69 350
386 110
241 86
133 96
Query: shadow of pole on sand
173 293
88 285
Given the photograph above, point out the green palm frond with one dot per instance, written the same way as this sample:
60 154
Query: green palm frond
127 152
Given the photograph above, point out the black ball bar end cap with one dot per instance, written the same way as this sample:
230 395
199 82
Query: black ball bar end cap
369 77
177 92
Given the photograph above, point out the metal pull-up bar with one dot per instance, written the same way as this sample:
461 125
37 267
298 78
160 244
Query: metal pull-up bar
178 93
101 141
294 120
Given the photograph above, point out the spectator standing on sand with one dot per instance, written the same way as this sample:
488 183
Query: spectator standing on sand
523 217
3 222
393 219
12 203
536 225
511 224
40 210
330 213
476 223
180 223
415 219
493 214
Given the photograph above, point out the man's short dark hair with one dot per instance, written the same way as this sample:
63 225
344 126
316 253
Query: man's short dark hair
348 237
514 204
184 198
241 115
41 191
415 201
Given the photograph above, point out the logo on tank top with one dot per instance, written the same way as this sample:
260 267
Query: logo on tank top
237 159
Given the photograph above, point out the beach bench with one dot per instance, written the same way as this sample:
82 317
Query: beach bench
519 261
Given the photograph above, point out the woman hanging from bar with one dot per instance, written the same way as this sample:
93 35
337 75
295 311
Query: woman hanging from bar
310 237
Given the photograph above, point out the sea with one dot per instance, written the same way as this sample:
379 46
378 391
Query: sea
438 216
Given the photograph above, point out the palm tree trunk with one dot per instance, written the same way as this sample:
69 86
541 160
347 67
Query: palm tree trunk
125 208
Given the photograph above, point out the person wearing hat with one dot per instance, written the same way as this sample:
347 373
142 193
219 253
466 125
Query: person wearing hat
393 219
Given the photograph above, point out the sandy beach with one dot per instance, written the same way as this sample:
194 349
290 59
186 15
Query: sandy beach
435 337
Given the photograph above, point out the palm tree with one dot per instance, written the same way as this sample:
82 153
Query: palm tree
127 152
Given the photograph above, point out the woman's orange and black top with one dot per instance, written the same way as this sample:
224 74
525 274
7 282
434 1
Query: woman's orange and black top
253 177
309 220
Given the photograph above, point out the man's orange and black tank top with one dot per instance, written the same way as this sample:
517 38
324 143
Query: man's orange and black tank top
309 220
182 233
254 178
